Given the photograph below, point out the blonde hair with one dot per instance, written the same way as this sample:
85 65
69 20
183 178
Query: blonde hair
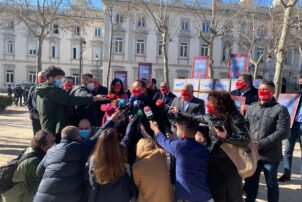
145 145
108 158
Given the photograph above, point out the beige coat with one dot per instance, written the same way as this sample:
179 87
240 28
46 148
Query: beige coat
151 176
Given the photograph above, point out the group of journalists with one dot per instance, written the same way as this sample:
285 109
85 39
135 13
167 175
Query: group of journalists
147 145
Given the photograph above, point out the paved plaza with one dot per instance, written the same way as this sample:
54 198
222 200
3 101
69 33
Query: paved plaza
15 135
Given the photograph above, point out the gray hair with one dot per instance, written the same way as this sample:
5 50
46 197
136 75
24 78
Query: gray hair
70 133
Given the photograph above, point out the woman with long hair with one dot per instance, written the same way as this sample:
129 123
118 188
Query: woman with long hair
116 93
108 178
225 124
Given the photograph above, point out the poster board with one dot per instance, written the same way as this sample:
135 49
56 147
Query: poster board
179 83
239 101
145 71
238 63
222 84
291 102
206 85
123 76
233 84
200 66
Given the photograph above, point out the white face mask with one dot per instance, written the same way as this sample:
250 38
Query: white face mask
90 86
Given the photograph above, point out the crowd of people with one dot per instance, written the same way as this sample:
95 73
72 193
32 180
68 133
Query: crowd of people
148 145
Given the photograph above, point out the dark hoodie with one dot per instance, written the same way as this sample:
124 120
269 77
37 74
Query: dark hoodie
51 105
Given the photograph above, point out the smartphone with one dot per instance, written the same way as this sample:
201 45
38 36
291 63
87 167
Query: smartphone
220 128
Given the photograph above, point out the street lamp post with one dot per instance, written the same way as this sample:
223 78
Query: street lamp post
97 67
82 42
269 60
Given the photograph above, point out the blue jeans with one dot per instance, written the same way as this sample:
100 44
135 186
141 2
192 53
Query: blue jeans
270 170
290 142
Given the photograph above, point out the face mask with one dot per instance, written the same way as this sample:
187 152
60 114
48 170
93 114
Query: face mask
68 86
210 107
117 88
58 83
265 95
136 92
90 86
164 90
185 96
41 79
240 85
84 134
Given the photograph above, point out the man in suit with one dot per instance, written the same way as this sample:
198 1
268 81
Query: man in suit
163 100
186 103
245 88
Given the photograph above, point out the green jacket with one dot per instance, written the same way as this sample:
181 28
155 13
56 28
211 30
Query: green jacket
26 179
51 105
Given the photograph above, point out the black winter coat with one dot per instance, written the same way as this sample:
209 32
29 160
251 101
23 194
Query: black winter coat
269 124
251 95
62 170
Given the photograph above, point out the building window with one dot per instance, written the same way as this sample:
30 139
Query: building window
96 53
204 50
183 50
118 45
9 76
141 22
55 29
77 31
185 25
205 27
97 32
259 53
288 57
76 78
160 48
227 50
10 47
11 25
140 47
119 19
75 54
32 47
54 50
32 76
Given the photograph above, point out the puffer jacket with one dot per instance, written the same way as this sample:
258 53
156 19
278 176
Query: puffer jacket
269 124
62 170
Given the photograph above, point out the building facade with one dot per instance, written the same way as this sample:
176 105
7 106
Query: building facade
62 47
135 40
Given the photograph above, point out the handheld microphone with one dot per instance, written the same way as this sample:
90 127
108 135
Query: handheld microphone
160 103
122 104
139 114
148 113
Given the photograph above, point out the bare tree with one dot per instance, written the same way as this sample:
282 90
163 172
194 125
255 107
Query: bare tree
116 11
39 17
288 6
160 13
254 26
220 16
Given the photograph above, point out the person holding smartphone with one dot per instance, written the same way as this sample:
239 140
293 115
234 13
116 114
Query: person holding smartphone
226 124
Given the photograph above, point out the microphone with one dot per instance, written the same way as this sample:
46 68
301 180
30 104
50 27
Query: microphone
148 113
139 114
160 103
122 104
112 96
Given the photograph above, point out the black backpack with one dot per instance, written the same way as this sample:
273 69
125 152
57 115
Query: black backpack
7 170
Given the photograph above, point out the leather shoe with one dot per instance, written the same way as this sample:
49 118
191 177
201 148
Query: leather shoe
284 178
